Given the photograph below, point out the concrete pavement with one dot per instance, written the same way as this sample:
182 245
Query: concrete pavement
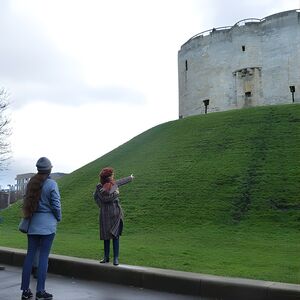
68 288
184 283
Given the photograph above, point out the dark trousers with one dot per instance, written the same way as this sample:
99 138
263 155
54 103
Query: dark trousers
44 243
115 248
116 243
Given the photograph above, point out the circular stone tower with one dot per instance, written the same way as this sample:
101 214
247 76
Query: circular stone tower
255 62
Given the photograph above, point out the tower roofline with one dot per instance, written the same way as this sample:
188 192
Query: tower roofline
240 23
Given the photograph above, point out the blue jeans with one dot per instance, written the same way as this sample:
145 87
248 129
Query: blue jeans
44 243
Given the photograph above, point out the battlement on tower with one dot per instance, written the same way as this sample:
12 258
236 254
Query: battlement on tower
254 62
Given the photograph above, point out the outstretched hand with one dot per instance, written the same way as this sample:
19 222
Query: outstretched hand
132 176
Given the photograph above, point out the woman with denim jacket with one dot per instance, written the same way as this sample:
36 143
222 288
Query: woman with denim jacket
42 205
111 214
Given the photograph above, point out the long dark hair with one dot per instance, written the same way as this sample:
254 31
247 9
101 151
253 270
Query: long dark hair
33 194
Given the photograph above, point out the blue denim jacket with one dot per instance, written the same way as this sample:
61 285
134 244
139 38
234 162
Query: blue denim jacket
48 213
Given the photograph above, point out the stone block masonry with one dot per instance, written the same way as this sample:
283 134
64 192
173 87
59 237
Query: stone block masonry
255 62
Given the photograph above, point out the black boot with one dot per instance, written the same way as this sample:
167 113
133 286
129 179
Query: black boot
104 260
116 251
106 252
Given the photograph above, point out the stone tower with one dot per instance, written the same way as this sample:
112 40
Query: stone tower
255 62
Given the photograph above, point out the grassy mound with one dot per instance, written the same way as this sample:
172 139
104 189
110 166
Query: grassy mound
216 193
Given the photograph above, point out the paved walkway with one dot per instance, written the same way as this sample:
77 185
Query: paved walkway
66 288
105 281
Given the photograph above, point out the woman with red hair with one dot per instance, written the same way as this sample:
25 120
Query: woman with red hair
111 214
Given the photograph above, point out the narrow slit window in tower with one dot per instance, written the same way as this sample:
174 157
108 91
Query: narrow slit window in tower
243 48
186 65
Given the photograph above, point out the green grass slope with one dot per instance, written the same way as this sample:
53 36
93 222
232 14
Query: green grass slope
216 193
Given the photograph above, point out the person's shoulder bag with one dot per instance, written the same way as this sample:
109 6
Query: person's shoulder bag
24 225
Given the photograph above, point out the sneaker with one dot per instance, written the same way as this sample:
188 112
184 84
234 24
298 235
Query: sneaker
43 296
27 294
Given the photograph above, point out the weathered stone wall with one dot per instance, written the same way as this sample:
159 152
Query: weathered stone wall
251 63
4 199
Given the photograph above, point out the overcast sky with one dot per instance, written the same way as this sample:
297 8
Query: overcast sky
85 76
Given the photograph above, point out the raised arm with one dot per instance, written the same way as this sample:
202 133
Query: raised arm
124 180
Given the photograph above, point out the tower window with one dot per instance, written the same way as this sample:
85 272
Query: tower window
292 88
248 94
206 103
186 65
243 48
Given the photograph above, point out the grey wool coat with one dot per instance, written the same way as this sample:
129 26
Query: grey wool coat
110 210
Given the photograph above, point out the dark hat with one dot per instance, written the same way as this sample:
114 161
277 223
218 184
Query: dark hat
43 165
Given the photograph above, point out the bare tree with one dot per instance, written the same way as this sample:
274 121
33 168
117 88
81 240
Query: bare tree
5 130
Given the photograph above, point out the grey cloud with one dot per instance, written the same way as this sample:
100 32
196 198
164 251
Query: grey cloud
16 166
227 13
75 94
34 70
26 55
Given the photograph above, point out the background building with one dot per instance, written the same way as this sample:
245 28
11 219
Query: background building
22 180
16 192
